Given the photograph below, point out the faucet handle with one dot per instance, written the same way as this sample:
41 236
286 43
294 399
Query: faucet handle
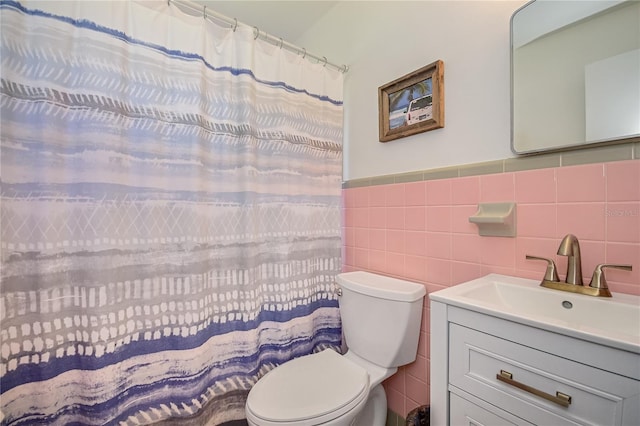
598 280
551 274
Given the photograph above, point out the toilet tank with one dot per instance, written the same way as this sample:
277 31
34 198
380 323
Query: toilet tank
381 317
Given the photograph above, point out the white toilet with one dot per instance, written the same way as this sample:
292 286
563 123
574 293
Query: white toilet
381 324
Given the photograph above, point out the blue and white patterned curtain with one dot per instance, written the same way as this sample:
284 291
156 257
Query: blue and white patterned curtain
170 214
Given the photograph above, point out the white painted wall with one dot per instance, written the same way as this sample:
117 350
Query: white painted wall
384 40
617 77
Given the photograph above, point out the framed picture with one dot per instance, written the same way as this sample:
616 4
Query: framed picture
412 104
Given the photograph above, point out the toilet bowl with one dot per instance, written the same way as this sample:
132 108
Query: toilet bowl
320 389
381 324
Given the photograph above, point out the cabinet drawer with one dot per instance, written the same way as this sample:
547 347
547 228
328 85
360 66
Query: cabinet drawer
467 413
591 396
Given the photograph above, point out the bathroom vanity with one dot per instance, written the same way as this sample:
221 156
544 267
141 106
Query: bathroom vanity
506 351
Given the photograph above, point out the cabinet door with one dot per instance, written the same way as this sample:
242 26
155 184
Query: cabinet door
466 413
539 386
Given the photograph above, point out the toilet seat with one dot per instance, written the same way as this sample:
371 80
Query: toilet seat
309 390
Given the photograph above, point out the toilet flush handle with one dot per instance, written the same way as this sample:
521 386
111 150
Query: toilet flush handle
339 291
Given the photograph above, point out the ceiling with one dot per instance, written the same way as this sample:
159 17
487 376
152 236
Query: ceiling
286 19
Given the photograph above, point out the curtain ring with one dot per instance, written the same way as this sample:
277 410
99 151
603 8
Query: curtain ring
257 33
235 26
325 61
305 53
281 42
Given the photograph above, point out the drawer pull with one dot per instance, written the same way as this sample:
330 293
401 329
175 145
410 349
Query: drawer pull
560 398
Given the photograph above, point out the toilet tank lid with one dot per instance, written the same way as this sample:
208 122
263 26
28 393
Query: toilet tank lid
381 286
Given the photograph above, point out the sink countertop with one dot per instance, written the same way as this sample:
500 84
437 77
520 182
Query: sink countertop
613 321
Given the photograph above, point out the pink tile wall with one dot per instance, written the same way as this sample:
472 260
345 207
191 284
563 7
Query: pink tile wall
420 232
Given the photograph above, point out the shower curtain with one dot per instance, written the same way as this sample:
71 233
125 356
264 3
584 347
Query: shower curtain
170 213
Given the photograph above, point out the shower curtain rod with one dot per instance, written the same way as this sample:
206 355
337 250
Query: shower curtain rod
277 41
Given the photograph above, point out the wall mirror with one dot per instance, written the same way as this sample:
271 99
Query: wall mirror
575 74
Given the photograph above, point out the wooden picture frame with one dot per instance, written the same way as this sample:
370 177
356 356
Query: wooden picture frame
412 104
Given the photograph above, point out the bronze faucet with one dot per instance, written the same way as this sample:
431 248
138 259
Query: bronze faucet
571 248
573 282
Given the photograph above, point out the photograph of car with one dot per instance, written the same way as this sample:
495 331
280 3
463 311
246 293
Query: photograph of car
420 109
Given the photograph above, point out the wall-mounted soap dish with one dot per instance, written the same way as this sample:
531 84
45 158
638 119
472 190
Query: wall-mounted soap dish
495 219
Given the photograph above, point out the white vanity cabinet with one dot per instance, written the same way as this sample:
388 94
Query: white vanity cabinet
488 370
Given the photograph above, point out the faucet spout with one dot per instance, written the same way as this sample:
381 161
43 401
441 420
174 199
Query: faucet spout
571 248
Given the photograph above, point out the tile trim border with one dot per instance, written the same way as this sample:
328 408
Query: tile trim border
627 151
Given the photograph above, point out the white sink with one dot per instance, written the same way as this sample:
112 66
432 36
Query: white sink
613 321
